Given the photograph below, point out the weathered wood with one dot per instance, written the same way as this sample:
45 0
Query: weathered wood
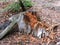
13 20
2 34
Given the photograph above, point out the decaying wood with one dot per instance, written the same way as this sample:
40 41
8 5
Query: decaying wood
33 22
24 27
7 29
36 25
14 19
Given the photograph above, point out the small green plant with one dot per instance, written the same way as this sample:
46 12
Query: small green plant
14 6
27 3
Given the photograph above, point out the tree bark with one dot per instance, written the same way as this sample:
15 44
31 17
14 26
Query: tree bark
2 34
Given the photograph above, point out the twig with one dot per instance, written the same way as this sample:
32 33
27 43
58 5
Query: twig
51 27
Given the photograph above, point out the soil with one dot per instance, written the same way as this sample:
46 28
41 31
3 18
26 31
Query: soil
48 14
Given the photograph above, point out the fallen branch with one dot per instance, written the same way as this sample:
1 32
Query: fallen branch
2 34
14 20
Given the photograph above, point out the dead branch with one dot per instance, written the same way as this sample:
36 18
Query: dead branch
2 34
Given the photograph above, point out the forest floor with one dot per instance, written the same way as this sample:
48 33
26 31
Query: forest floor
49 13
